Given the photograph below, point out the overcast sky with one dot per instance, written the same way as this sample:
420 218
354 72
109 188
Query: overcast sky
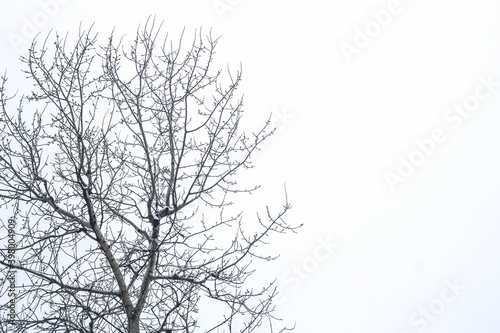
388 141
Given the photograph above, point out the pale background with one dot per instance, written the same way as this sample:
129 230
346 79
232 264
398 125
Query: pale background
342 125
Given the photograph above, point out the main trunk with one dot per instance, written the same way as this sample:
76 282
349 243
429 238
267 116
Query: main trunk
134 326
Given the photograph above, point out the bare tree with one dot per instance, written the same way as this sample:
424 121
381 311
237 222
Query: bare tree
122 171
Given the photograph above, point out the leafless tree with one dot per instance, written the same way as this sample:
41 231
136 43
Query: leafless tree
121 164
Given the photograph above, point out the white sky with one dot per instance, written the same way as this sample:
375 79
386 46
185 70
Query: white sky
343 125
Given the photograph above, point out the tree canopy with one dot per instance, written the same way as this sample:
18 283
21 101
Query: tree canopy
120 165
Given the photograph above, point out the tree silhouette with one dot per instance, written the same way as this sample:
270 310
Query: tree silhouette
122 174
